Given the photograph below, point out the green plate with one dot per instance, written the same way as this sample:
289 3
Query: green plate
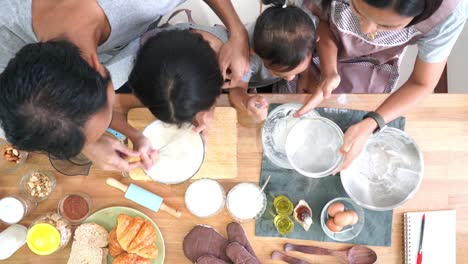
107 218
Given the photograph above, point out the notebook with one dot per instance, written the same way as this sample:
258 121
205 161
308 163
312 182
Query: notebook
439 241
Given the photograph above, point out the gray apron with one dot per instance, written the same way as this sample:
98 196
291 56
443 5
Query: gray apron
372 66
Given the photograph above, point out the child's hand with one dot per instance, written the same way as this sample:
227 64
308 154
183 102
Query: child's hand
203 121
323 91
257 107
148 155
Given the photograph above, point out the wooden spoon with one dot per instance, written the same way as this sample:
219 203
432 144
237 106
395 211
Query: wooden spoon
280 256
354 255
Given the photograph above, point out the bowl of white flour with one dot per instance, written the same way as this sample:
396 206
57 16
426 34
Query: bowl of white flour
181 152
205 198
313 147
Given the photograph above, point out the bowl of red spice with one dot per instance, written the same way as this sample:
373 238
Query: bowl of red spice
75 207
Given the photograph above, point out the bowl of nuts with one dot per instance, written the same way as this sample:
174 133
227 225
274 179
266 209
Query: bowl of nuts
38 185
11 158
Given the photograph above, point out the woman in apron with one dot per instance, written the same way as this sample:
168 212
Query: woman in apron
361 43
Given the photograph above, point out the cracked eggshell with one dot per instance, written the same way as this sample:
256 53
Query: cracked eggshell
305 225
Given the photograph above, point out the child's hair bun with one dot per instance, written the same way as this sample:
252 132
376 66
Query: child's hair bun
274 2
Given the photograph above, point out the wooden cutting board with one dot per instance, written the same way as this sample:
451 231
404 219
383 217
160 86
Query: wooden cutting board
220 147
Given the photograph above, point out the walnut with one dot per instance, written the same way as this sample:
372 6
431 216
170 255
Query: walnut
11 154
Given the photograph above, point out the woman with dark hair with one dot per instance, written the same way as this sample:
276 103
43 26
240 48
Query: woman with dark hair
361 43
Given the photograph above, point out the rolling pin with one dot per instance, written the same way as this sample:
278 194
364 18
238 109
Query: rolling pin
143 197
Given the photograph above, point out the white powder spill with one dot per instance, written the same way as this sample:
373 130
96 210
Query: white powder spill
245 201
313 146
204 197
181 155
342 99
11 210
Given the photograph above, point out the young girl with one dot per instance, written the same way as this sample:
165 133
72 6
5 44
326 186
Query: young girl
363 40
283 41
176 75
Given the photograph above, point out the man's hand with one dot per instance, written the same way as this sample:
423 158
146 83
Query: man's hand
234 59
110 154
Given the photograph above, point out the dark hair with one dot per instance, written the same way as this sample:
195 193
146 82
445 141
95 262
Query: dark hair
419 9
176 75
284 36
47 93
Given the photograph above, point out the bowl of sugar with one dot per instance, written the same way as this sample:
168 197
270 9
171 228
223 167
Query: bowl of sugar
313 147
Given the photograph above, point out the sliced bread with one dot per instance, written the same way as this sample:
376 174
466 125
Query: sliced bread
87 248
92 234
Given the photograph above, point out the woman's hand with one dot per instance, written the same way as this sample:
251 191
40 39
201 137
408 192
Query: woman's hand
234 59
148 155
257 107
323 91
354 140
110 154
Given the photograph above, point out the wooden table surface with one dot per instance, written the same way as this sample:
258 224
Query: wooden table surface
439 125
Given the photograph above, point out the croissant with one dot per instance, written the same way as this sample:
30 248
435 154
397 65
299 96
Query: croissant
130 259
137 236
114 247
127 229
146 237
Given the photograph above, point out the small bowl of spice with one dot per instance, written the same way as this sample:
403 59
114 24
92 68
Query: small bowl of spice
74 207
38 185
10 158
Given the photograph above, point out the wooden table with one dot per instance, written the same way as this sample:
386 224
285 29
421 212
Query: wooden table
439 125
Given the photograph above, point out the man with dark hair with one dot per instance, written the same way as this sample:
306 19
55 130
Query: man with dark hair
56 62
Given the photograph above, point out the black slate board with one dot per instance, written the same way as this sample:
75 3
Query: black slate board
377 230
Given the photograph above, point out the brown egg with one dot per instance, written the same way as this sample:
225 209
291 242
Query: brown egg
335 208
355 217
332 226
344 218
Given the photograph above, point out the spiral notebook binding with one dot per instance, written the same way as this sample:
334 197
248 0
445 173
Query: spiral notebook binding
407 232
